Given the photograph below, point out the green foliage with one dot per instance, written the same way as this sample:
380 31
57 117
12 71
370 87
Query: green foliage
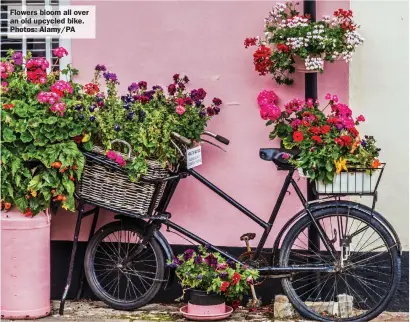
327 144
145 119
40 161
210 272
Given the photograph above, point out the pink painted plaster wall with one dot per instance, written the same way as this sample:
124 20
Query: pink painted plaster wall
152 41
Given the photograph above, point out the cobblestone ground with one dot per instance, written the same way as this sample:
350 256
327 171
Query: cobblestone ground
88 311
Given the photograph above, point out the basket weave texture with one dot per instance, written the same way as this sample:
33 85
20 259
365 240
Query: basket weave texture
107 187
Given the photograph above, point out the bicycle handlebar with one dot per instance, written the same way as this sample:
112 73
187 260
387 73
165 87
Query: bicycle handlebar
217 137
181 138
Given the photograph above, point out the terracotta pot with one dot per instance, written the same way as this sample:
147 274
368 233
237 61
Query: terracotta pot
25 265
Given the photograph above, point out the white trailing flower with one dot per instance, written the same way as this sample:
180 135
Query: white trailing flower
314 63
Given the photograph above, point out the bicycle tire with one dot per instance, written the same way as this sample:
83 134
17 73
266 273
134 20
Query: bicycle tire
95 285
359 214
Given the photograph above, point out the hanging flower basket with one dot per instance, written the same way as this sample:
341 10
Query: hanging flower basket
316 64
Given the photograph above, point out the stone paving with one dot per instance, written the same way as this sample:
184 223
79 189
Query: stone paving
92 311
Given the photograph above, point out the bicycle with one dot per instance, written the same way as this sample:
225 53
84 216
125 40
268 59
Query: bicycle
125 261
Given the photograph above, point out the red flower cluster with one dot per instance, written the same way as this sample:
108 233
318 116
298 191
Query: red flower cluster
298 136
250 42
224 286
325 129
317 139
345 16
91 88
282 47
344 140
8 106
236 278
37 70
261 59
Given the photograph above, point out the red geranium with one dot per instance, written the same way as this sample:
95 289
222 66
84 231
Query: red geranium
317 139
283 47
250 42
298 136
325 129
347 140
8 106
261 59
315 130
236 278
224 286
306 123
91 88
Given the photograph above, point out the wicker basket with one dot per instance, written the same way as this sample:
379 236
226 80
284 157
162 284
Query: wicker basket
105 184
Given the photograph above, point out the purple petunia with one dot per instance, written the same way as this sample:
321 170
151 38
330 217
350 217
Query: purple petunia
199 276
181 86
149 94
100 68
211 260
110 76
172 89
231 263
202 113
185 79
223 275
17 58
176 77
198 260
176 262
157 87
188 254
133 87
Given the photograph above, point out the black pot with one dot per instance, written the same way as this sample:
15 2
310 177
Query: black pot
199 297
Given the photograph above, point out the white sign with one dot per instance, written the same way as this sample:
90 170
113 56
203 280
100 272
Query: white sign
39 21
193 157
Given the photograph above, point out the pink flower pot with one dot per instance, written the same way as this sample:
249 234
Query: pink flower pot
25 265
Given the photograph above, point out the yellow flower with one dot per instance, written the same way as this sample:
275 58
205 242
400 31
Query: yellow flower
340 165
64 206
356 143
34 193
86 138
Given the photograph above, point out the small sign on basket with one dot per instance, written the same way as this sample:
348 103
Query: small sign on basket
193 157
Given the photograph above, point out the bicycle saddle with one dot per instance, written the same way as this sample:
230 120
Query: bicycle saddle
277 156
248 236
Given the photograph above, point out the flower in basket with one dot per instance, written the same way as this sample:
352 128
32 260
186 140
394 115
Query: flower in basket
40 159
145 116
294 42
327 143
210 272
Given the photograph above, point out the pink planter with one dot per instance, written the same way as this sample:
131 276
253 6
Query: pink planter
25 265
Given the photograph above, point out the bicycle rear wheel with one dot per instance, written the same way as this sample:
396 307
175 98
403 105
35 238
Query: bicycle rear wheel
367 266
123 287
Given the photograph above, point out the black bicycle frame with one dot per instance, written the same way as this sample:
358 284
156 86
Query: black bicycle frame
267 226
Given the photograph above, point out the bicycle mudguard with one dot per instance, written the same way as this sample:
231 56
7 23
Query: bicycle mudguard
330 204
166 248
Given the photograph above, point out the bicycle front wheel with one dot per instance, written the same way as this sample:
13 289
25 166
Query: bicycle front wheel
367 266
129 286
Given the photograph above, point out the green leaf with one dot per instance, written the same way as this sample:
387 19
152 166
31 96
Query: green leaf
26 137
8 135
21 203
329 167
68 185
15 165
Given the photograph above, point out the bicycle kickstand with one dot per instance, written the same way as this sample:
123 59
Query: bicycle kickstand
246 238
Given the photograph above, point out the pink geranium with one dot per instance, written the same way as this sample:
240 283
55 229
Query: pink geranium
60 52
180 110
271 112
266 97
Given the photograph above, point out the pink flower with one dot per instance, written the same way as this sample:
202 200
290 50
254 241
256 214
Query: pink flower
111 155
180 101
296 123
335 99
360 118
285 156
271 112
221 267
328 96
267 97
60 52
309 102
61 87
58 108
120 160
42 80
180 110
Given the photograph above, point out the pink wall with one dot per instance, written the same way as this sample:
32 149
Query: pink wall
152 41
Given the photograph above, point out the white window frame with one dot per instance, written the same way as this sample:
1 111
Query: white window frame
66 43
